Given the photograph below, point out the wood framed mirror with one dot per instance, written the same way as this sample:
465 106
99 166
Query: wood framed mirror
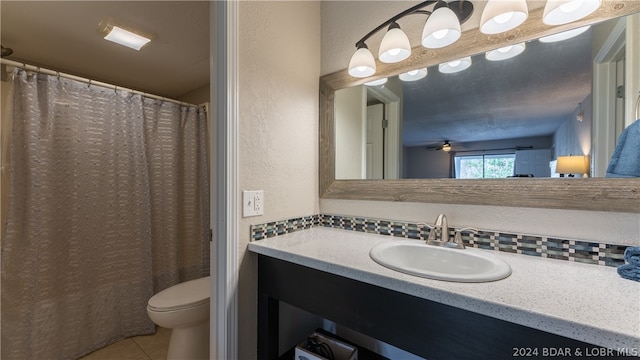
595 194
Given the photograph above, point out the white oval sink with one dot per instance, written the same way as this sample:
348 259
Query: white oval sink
414 257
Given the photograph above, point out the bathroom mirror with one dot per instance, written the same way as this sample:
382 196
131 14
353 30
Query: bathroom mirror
564 193
493 108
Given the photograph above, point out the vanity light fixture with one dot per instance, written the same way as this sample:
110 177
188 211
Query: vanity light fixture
395 45
455 65
362 63
441 29
113 31
564 35
506 52
413 75
558 12
443 26
500 16
376 82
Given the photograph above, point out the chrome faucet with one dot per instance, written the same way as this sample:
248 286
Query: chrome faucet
441 225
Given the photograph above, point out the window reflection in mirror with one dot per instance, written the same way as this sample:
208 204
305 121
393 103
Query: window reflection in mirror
511 118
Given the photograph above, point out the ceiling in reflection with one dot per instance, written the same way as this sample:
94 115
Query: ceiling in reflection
528 95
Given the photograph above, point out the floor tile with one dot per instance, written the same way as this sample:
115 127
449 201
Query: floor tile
156 345
125 349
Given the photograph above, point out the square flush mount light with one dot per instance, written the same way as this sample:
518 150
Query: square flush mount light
115 32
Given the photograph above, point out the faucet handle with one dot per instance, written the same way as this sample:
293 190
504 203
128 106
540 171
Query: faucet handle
431 239
458 238
430 227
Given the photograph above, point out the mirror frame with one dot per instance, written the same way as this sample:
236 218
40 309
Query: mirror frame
594 194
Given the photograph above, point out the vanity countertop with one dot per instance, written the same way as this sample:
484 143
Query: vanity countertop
589 303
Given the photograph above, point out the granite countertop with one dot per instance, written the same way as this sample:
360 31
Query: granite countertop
590 303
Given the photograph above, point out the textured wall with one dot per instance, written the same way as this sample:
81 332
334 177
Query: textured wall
339 34
574 137
279 67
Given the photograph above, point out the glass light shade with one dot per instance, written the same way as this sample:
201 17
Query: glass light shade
395 46
362 63
557 12
441 29
376 82
446 147
413 75
506 52
126 38
572 165
500 16
564 35
455 65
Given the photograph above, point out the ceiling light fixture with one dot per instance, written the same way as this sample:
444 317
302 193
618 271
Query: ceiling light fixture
500 16
413 75
558 12
506 52
441 29
111 30
446 146
580 115
564 35
455 65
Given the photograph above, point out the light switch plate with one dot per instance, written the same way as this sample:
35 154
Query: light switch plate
252 203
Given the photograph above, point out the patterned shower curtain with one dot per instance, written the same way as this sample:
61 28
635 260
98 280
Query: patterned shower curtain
108 204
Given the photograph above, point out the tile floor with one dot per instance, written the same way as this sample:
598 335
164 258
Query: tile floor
148 347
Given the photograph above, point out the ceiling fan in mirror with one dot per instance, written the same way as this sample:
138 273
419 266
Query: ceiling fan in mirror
446 146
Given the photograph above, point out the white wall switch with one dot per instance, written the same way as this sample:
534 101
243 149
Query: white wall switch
252 203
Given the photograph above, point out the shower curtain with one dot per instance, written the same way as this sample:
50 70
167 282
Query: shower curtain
108 205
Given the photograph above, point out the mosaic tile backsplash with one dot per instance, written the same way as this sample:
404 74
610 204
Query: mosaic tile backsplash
541 246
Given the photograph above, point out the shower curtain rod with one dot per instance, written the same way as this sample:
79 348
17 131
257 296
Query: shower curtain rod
38 69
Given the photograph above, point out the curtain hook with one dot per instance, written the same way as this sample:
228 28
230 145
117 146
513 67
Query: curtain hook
89 83
58 74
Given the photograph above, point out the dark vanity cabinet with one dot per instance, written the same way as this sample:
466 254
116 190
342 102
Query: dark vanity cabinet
426 328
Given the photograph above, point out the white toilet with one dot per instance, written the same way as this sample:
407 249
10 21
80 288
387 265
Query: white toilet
184 308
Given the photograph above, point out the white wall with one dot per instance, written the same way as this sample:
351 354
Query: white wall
339 34
279 63
351 133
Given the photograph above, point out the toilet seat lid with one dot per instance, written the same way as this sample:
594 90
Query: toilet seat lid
186 294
